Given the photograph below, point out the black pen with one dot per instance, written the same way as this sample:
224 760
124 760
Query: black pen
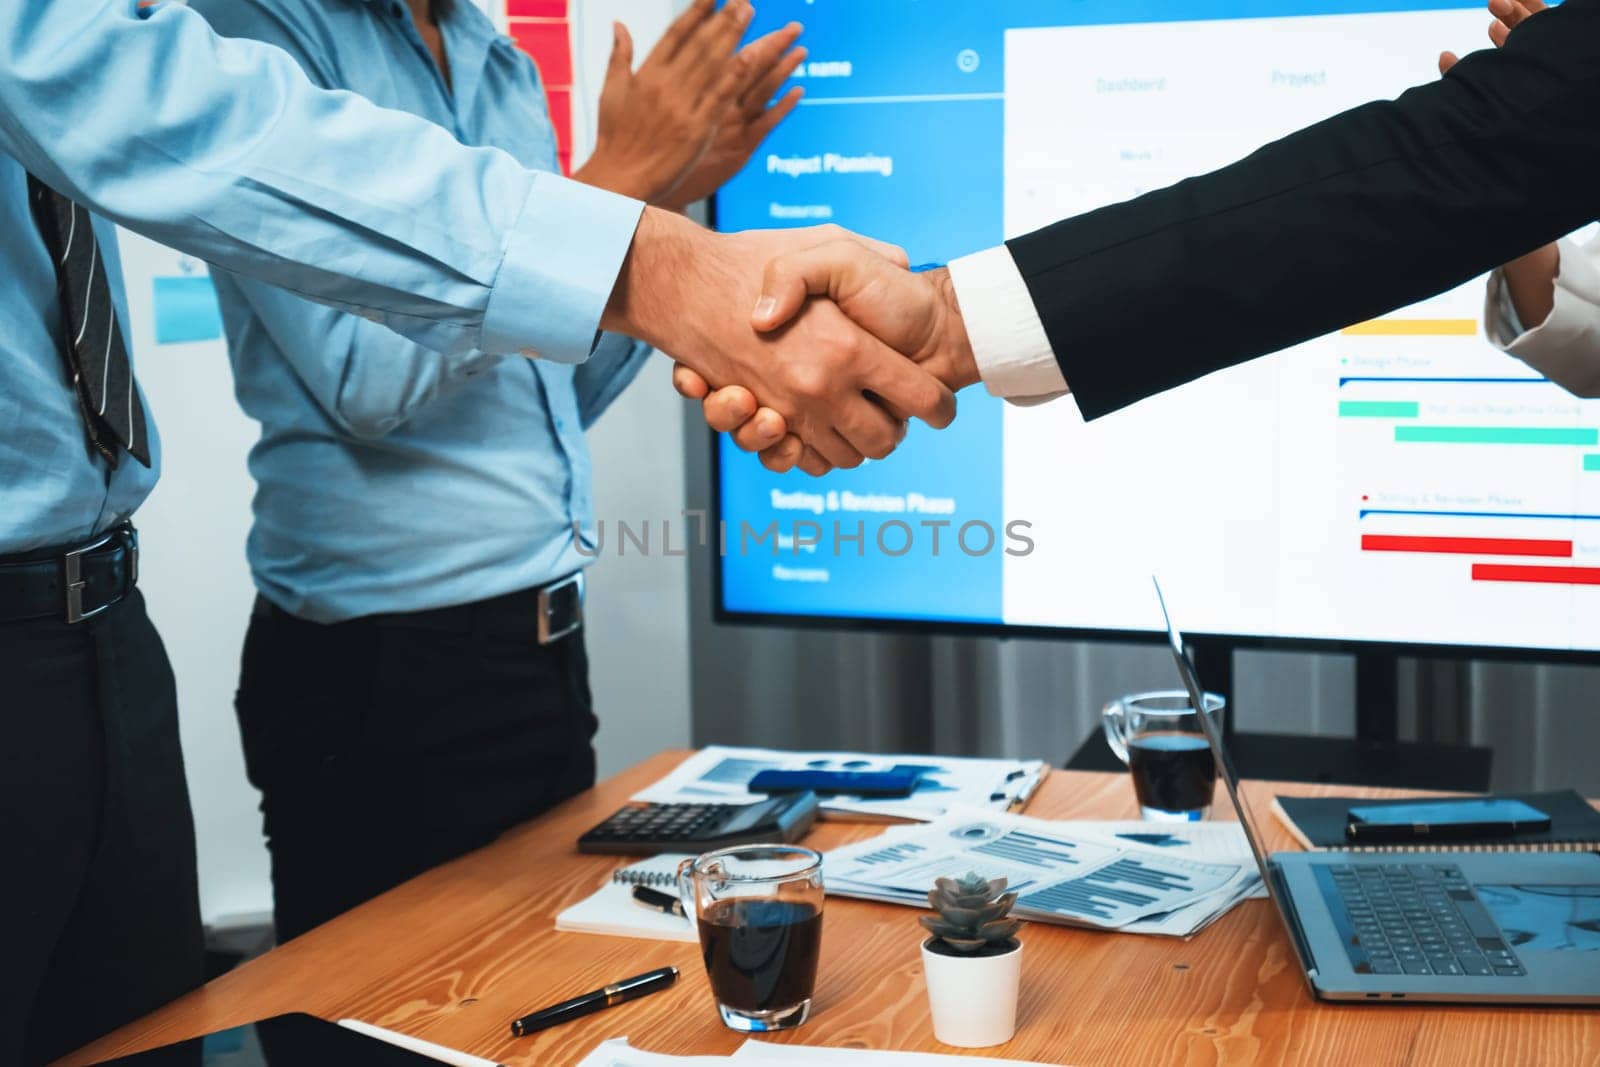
617 993
656 900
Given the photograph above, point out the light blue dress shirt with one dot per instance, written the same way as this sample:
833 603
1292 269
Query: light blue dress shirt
391 478
225 150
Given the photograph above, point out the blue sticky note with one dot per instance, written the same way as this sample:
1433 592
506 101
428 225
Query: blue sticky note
186 310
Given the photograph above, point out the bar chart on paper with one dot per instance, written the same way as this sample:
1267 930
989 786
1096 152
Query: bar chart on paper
1061 872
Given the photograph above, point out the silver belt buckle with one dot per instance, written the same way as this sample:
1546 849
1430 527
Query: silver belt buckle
72 573
547 633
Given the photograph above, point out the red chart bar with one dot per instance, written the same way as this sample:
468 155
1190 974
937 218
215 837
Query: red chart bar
536 9
1512 572
547 43
545 35
1478 546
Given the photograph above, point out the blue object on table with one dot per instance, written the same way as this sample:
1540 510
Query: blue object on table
897 782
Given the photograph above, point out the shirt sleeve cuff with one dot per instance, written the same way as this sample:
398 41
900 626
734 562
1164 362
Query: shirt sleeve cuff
1501 323
1565 347
560 266
1008 339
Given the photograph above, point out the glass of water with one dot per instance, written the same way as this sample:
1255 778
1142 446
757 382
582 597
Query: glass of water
1159 736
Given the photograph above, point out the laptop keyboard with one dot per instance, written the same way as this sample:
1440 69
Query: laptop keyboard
1414 919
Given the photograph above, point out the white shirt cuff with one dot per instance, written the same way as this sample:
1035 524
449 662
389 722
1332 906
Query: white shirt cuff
1565 347
1501 323
1008 339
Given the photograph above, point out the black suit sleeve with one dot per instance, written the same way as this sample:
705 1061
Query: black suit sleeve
1365 212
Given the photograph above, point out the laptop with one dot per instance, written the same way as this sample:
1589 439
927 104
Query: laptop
1452 927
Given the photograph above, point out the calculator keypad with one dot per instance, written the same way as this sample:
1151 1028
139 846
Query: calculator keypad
660 822
699 827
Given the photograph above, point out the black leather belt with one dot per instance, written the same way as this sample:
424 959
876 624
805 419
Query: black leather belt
547 613
72 583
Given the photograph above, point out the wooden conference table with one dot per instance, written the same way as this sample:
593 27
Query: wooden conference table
456 954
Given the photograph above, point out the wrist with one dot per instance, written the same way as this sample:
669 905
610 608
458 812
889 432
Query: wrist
682 195
604 173
1531 282
954 363
674 198
641 304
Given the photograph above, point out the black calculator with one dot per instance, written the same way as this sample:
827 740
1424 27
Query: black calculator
647 829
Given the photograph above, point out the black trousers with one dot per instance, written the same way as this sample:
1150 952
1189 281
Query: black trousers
99 908
387 745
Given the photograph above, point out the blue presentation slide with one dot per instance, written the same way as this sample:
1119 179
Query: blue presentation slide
903 143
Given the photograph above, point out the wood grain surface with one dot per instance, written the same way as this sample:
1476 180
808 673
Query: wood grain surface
456 954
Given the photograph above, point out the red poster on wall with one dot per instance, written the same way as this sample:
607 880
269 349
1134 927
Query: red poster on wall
543 29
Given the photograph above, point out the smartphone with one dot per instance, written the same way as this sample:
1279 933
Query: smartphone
1443 819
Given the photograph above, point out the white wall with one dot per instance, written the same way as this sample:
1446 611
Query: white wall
193 573
638 621
638 607
199 589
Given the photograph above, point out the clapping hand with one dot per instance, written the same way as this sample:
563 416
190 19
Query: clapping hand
764 65
674 130
1508 15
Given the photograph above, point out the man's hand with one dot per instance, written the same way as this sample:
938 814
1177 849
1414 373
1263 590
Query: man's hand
916 314
656 123
733 410
767 63
1508 15
687 291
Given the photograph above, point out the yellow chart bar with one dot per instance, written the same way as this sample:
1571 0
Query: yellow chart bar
1413 328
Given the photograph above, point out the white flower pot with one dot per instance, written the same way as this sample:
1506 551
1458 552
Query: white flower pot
974 998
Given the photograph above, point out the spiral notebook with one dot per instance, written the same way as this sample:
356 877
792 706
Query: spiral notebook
612 910
1318 824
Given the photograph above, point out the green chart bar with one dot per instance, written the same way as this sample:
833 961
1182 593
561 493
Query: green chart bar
1591 463
1378 409
1498 435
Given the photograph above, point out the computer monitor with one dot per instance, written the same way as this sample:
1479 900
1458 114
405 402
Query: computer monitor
1400 482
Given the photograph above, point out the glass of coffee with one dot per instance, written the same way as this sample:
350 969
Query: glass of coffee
759 911
1159 737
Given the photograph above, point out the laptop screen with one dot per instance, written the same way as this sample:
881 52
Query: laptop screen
1225 769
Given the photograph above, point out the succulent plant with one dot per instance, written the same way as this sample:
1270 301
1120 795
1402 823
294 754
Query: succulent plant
973 914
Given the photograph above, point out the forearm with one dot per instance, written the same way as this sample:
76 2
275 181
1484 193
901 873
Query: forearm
379 381
229 153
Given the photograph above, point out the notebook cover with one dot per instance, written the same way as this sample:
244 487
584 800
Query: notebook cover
1318 823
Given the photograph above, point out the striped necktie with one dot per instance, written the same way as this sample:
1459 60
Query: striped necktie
96 354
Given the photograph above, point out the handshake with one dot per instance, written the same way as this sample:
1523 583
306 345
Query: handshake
812 347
